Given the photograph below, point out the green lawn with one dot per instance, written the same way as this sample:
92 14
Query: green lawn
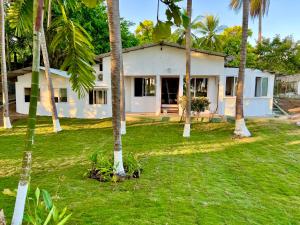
208 179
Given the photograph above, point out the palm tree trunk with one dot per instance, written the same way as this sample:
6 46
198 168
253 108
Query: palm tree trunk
26 165
240 125
122 100
6 119
2 218
7 53
55 120
187 125
49 18
260 26
116 51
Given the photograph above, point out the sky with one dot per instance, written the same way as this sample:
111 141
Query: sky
283 17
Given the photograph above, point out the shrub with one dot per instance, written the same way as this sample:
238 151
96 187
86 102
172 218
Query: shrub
102 167
199 104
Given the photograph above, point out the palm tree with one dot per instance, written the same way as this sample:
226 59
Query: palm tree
116 51
258 8
179 34
55 120
38 6
209 28
6 119
187 125
240 126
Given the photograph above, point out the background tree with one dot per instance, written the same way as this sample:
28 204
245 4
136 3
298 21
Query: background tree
231 39
210 29
5 100
116 52
240 126
178 36
95 23
187 125
278 55
144 32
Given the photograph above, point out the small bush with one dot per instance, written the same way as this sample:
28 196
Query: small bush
102 167
199 104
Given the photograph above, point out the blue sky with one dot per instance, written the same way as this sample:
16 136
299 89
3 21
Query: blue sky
283 17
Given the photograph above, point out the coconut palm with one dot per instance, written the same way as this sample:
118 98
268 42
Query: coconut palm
6 119
178 35
116 57
210 29
240 126
187 125
17 219
258 8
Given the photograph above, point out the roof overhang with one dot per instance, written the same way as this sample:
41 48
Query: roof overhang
173 45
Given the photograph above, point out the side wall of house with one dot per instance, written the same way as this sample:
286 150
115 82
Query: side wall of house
73 108
253 106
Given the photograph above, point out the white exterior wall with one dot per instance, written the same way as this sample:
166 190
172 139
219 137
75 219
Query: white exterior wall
74 108
253 106
165 61
158 62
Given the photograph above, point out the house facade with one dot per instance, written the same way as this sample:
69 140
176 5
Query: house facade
154 81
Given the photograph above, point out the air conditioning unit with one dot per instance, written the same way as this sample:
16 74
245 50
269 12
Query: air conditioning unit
100 77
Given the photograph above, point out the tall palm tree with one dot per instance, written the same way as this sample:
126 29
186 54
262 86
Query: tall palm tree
116 51
241 129
187 125
258 8
38 6
179 34
55 119
210 29
6 119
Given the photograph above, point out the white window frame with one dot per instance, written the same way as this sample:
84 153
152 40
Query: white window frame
58 96
235 80
144 94
259 92
104 97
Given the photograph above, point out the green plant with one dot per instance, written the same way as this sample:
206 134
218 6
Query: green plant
102 167
199 104
42 211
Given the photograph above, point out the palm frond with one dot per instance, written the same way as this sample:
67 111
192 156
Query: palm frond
19 15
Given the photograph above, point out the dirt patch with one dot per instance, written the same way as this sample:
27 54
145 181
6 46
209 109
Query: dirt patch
289 105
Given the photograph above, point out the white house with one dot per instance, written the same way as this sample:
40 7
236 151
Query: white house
154 79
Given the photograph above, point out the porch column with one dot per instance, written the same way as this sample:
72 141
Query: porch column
158 95
180 91
221 95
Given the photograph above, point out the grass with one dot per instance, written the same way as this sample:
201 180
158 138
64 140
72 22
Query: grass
207 179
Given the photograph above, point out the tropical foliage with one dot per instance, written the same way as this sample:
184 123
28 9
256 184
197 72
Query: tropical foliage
210 29
278 55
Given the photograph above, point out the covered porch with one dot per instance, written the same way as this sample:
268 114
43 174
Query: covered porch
160 93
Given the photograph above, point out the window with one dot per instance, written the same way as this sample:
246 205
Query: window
261 86
199 87
231 83
97 97
100 65
144 87
60 94
27 93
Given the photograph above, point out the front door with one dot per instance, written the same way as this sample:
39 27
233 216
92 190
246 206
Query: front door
169 94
